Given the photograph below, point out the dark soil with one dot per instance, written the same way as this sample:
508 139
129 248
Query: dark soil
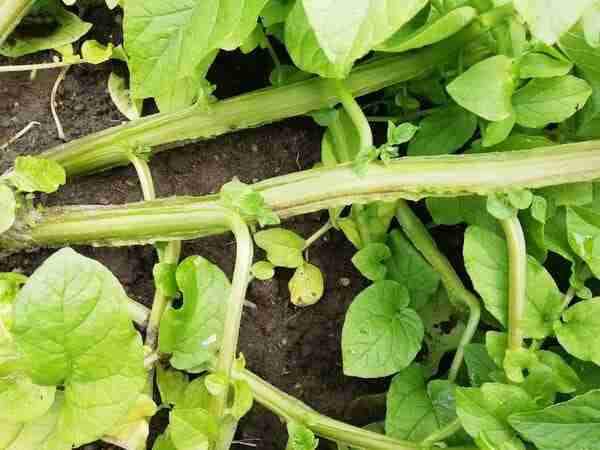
298 350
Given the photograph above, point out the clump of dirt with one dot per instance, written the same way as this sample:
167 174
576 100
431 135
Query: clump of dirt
298 350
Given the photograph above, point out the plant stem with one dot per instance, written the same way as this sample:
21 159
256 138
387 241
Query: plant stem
442 434
107 148
318 234
569 296
305 192
356 114
291 409
422 240
41 66
11 13
517 280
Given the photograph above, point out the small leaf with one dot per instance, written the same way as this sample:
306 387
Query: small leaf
171 385
486 88
32 174
193 332
499 206
550 100
381 335
164 279
570 425
242 399
399 134
8 207
370 261
307 285
216 383
443 132
591 25
263 270
120 95
480 365
435 30
578 330
192 428
496 344
496 132
241 198
94 52
583 234
484 413
132 432
539 65
284 248
300 437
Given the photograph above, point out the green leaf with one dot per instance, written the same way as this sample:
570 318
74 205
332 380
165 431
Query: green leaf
132 431
193 89
443 132
276 11
408 267
469 209
436 29
94 52
368 223
120 96
167 40
307 285
400 134
548 374
572 194
499 206
496 344
591 25
164 279
300 437
440 338
66 28
539 65
327 38
516 141
32 174
578 331
486 88
164 442
550 100
284 247
549 19
216 383
241 198
496 132
381 335
370 261
486 261
570 425
484 413
192 428
479 364
171 385
583 232
8 207
413 410
193 332
70 318
242 399
263 270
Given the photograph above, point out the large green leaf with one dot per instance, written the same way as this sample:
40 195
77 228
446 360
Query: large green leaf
166 40
484 411
549 19
193 332
72 326
66 29
540 65
326 37
436 29
486 88
578 331
486 261
443 132
408 267
550 100
381 334
573 425
414 410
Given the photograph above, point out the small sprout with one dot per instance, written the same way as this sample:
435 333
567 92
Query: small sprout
263 270
241 198
284 247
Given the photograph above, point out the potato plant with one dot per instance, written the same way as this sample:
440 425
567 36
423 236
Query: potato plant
490 107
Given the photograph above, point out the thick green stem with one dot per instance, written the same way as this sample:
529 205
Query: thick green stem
291 409
422 240
353 109
11 13
305 192
517 280
108 148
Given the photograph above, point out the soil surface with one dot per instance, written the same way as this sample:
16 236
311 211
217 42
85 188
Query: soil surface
298 350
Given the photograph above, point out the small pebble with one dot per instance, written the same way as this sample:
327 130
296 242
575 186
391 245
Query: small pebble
344 282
